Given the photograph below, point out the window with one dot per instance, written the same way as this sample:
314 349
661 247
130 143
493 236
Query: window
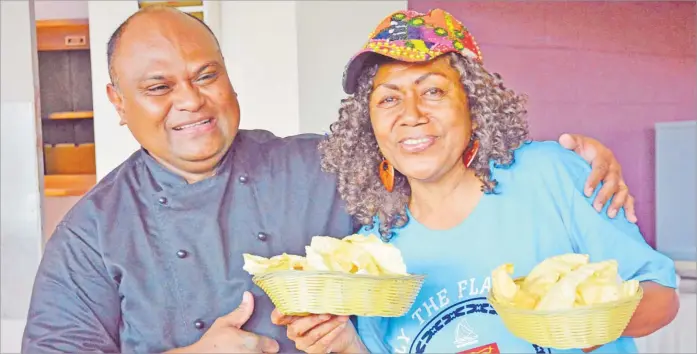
676 173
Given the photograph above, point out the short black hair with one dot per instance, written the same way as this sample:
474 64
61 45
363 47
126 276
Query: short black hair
116 36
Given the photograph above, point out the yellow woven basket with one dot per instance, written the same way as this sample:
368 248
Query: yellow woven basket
576 328
298 293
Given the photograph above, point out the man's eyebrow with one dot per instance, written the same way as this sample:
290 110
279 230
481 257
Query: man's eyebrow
206 66
154 77
160 77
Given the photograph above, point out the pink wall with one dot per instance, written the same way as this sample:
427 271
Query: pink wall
609 70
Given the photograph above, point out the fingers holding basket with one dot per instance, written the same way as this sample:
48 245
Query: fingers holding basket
339 337
318 333
280 319
314 326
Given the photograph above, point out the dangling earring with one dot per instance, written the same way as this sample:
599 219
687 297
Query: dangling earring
386 171
470 153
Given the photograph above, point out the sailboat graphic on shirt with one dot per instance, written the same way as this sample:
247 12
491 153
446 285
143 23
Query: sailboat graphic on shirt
464 335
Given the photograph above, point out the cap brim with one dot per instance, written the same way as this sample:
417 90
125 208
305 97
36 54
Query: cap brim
353 70
360 61
368 57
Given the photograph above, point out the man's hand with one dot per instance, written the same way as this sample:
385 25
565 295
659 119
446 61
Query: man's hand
226 335
321 333
605 168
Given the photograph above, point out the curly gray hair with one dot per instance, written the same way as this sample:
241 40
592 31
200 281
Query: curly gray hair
351 151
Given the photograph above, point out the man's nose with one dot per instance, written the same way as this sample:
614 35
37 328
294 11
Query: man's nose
188 98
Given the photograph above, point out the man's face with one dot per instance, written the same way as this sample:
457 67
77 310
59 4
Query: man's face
173 92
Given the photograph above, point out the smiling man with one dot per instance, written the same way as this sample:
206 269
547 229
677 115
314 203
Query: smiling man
150 259
173 93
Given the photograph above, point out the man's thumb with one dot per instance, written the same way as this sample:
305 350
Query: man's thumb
579 145
569 142
242 313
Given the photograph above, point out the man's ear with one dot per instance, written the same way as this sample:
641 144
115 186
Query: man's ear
116 100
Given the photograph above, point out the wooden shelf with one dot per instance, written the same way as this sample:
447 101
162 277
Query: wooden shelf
69 159
62 35
72 115
68 185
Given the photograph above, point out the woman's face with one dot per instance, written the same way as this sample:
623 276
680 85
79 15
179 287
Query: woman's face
420 116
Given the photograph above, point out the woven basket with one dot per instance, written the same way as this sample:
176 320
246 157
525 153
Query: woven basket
298 293
577 328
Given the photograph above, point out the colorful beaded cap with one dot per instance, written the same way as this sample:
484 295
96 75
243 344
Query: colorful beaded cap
413 37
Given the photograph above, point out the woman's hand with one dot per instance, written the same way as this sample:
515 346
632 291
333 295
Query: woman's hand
320 333
605 168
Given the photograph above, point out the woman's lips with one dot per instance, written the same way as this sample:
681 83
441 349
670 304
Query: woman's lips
417 144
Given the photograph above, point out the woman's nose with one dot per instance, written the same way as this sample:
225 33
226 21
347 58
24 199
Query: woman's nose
413 115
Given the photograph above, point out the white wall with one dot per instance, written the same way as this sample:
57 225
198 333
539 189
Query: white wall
20 160
113 143
679 335
259 40
285 60
329 33
60 9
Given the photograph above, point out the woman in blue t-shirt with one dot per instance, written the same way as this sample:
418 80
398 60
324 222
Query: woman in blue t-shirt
459 191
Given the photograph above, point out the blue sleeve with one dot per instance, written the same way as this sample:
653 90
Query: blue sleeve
75 306
372 330
596 234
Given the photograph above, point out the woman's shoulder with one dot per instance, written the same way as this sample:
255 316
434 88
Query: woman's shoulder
543 163
543 151
548 156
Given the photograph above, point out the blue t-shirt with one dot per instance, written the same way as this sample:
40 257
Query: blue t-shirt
539 211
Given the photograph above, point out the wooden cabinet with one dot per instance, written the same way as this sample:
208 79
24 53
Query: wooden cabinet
65 82
62 35
69 159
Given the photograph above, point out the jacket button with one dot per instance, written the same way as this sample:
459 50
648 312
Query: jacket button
243 179
199 324
162 200
262 236
182 254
